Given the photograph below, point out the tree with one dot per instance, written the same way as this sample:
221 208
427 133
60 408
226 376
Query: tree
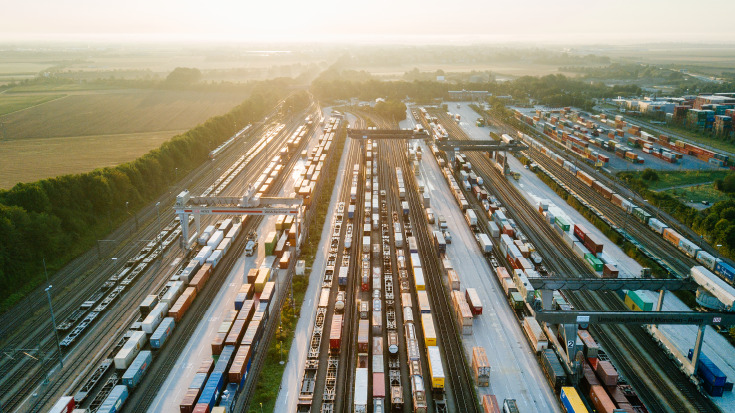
728 184
649 175
184 76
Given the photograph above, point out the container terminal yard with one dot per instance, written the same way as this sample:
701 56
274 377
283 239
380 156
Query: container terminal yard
443 270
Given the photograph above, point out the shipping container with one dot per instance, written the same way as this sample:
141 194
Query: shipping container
473 300
436 368
137 369
129 350
65 404
606 373
427 324
553 369
361 390
115 400
535 334
571 401
490 404
163 331
480 366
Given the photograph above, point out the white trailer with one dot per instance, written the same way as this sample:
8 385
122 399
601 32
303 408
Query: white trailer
361 390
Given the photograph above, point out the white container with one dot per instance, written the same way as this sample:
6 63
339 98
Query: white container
579 249
361 390
214 258
485 244
215 239
224 246
129 350
204 236
399 239
151 321
173 292
657 225
494 230
234 231
204 253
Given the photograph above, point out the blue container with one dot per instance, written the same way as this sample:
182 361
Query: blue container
200 379
263 307
114 401
137 369
225 359
342 279
240 298
158 338
726 270
708 371
714 391
229 396
212 389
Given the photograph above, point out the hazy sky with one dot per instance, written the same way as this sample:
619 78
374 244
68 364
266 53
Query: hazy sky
307 20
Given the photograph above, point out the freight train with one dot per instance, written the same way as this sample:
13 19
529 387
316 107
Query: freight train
717 265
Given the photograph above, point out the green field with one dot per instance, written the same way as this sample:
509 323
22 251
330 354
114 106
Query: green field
698 193
10 103
669 179
28 160
45 135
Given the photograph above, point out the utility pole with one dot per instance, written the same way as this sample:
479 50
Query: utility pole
53 322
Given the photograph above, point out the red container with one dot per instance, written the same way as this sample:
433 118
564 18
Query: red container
607 373
601 401
207 366
201 408
378 385
580 232
593 244
508 230
189 401
239 364
490 404
218 343
617 395
608 271
335 334
588 380
593 362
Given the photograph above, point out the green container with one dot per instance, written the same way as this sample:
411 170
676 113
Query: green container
270 242
642 215
561 223
516 300
594 261
641 300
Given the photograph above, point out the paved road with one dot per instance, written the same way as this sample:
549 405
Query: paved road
716 347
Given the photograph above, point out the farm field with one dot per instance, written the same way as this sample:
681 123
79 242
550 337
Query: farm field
11 103
78 132
116 112
29 160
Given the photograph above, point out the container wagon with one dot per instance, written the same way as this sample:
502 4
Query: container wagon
335 334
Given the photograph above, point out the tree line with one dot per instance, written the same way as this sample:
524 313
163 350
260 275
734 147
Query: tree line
58 218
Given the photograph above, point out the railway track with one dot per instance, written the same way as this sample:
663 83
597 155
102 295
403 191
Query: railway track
165 359
657 380
78 281
461 396
131 301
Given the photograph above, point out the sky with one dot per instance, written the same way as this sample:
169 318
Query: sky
569 21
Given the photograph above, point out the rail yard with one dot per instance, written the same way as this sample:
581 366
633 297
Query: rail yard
428 292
